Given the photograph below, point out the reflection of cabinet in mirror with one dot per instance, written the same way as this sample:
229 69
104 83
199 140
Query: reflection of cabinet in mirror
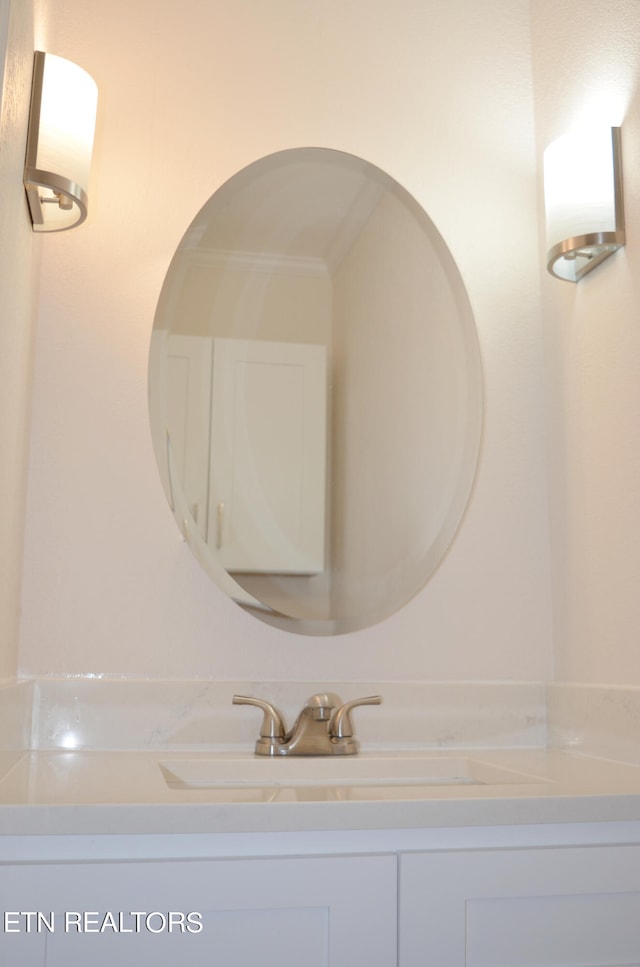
247 426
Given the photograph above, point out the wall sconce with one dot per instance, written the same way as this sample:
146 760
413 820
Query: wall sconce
583 201
59 143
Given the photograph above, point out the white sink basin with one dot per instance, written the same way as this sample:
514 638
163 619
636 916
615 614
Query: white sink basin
392 770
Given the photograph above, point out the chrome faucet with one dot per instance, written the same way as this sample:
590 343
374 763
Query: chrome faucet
323 727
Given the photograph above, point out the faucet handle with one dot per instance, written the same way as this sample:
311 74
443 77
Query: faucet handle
272 730
340 725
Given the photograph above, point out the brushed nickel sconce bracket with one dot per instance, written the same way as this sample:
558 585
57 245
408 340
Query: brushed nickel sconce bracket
59 143
583 187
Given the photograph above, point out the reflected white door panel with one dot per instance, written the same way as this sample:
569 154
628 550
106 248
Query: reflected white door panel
268 456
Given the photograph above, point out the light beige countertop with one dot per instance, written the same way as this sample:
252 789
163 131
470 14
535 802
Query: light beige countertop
127 792
103 754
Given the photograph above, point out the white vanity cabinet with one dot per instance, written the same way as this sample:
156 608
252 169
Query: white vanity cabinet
537 896
575 906
320 911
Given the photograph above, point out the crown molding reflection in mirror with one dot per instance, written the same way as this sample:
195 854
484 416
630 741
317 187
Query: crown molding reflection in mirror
315 392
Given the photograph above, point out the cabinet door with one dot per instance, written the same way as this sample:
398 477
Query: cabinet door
311 911
548 907
268 456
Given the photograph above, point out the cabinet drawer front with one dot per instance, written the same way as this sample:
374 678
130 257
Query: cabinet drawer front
318 911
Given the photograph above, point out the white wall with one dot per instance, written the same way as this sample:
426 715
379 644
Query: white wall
591 52
19 263
437 93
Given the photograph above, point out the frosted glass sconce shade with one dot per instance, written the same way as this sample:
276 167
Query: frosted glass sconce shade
583 201
59 143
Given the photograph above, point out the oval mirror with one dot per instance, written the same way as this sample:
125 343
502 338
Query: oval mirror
315 391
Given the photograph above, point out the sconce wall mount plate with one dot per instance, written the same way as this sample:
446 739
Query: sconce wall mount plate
59 143
584 202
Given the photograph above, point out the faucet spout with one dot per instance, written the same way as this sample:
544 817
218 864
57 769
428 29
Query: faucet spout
310 734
